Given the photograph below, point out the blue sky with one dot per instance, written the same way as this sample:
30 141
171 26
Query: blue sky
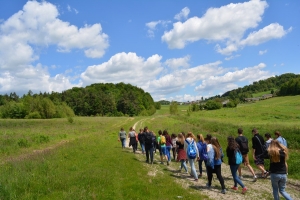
173 49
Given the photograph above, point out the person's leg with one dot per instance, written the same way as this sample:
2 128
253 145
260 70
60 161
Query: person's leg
151 154
174 153
236 179
281 186
142 147
219 176
147 153
169 152
193 169
123 141
183 165
247 163
209 175
274 181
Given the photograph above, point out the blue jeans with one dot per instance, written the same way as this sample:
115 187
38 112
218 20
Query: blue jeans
183 165
142 147
163 150
193 168
123 142
278 182
233 169
169 152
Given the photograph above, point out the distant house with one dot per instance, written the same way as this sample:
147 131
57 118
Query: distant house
224 103
252 99
267 96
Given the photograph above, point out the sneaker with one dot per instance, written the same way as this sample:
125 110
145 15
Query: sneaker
266 174
244 190
240 177
208 186
234 188
254 178
196 180
223 191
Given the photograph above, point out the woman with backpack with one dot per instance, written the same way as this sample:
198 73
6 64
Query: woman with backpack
190 147
278 156
214 152
232 149
202 148
181 154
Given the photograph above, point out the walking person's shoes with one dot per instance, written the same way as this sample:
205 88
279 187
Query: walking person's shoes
244 190
234 188
254 178
223 191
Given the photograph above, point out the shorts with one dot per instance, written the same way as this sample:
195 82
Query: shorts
259 160
245 159
163 150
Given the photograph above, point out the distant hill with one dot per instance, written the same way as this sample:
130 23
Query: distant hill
273 84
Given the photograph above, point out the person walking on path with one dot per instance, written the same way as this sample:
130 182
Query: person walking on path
231 150
181 156
163 150
278 156
174 149
141 138
268 139
132 139
168 144
149 144
190 139
214 162
258 156
122 137
280 139
244 148
202 148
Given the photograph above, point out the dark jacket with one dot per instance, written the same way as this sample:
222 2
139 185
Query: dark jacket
257 142
231 156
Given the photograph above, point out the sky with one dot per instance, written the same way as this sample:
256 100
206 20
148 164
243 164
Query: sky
179 50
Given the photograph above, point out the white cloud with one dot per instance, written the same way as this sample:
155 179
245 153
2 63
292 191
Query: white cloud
175 63
124 67
229 80
152 26
34 27
183 14
262 52
232 57
217 24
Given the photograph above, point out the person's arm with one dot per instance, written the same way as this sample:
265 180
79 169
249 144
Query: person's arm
254 158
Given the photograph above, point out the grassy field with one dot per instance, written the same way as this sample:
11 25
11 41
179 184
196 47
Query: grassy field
55 159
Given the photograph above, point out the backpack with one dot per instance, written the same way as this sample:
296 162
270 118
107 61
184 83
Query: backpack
238 157
210 158
191 150
264 149
244 145
148 138
162 139
203 153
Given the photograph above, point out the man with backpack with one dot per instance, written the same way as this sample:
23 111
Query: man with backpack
259 152
149 144
244 149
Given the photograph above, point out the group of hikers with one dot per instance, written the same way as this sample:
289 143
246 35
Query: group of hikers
188 148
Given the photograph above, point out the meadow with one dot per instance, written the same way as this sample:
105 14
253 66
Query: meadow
56 159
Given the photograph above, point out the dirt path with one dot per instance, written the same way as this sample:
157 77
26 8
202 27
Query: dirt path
261 189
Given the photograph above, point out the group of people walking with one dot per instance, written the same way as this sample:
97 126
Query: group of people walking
186 148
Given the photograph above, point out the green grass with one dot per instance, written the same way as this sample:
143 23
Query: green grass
55 159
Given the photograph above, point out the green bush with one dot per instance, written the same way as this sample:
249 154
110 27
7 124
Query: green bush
33 115
213 105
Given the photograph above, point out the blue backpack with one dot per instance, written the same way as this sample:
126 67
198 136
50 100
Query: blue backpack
191 150
238 157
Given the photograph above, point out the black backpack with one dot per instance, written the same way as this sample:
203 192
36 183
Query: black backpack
149 138
243 142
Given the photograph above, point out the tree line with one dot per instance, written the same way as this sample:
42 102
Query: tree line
100 99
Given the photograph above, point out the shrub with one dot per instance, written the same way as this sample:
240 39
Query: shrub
213 105
33 115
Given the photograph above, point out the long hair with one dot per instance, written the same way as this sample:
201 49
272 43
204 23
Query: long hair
216 145
273 151
200 138
191 135
232 144
165 133
181 138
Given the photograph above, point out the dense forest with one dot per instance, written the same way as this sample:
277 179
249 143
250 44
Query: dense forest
101 99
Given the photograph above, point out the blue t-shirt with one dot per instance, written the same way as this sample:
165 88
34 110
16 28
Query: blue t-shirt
282 141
